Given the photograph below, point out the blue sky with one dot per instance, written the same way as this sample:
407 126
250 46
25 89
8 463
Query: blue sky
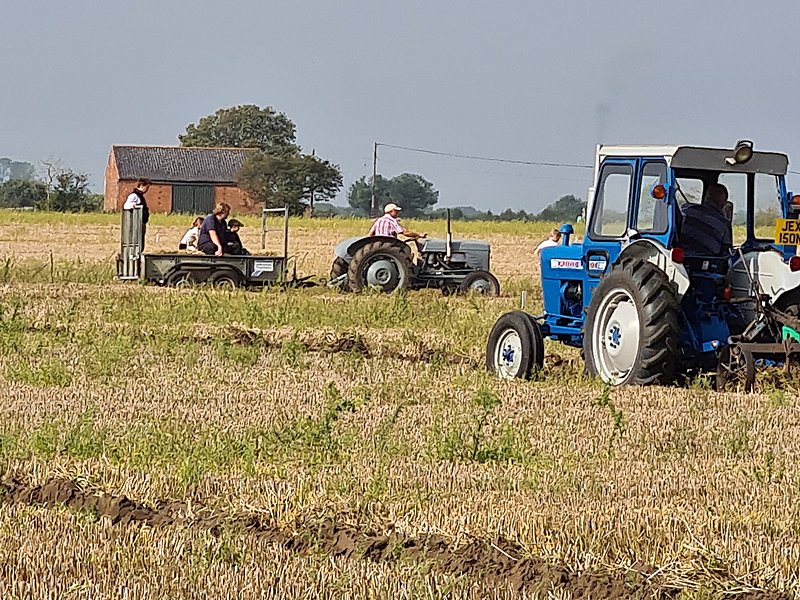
532 81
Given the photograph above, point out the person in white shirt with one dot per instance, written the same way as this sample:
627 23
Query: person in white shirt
552 240
136 201
189 239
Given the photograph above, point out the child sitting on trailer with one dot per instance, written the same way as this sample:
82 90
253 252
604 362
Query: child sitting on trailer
189 239
233 243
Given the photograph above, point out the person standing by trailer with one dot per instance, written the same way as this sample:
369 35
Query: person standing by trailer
136 201
212 232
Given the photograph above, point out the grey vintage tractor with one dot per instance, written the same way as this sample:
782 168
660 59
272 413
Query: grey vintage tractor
389 264
644 308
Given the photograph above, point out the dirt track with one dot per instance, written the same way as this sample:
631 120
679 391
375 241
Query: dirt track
496 560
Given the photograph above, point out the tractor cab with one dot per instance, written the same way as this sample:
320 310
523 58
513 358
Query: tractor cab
680 244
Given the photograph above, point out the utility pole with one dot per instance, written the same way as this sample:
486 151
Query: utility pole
373 210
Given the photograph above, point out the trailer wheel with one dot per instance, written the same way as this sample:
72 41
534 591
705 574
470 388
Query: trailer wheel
632 331
339 267
181 279
736 370
225 280
480 282
515 349
381 265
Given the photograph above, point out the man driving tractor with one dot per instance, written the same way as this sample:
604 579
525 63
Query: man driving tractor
388 225
706 229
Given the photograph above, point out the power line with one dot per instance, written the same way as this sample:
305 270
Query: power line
487 158
484 171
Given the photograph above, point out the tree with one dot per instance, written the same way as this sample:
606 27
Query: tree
566 208
19 193
70 193
289 178
318 179
412 192
245 126
278 173
11 170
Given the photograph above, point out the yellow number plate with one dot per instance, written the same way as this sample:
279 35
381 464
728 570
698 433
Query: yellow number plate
787 231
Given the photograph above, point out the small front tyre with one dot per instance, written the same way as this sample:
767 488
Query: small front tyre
480 282
515 349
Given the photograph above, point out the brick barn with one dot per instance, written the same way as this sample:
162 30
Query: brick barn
185 180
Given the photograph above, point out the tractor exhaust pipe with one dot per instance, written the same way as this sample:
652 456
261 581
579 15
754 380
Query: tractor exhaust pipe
448 252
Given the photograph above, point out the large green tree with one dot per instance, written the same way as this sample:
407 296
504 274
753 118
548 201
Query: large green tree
245 126
290 179
412 192
278 173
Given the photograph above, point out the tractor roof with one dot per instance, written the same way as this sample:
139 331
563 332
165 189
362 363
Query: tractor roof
697 157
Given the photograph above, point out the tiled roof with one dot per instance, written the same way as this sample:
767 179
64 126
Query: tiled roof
174 164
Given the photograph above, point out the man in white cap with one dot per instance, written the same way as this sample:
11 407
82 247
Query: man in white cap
388 225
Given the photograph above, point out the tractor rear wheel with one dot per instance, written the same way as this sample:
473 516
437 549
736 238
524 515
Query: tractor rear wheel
381 265
632 331
480 282
515 349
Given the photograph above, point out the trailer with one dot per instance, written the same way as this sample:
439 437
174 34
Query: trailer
186 268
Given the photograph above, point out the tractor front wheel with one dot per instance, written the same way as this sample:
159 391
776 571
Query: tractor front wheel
515 349
480 282
632 329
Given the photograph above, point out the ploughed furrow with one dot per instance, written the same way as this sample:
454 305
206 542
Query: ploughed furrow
498 560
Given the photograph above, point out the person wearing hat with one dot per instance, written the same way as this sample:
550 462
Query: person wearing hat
233 243
388 225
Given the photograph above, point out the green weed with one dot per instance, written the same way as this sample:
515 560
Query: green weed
617 418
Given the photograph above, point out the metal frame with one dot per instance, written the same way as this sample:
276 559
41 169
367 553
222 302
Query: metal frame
265 228
129 260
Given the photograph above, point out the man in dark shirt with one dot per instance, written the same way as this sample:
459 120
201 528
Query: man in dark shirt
211 239
706 230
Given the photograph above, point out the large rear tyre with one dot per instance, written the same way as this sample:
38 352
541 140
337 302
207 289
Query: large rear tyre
380 265
632 332
480 282
515 349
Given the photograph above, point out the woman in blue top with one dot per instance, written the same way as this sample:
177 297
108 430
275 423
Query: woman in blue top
212 232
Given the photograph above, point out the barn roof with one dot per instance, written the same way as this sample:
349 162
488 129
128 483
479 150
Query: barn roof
175 164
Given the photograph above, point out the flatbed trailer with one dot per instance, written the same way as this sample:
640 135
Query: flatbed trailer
182 268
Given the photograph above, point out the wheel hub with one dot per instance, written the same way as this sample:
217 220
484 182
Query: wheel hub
383 273
508 355
480 286
616 337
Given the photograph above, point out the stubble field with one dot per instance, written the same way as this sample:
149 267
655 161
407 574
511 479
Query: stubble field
307 443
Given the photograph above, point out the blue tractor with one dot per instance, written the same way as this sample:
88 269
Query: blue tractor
643 309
